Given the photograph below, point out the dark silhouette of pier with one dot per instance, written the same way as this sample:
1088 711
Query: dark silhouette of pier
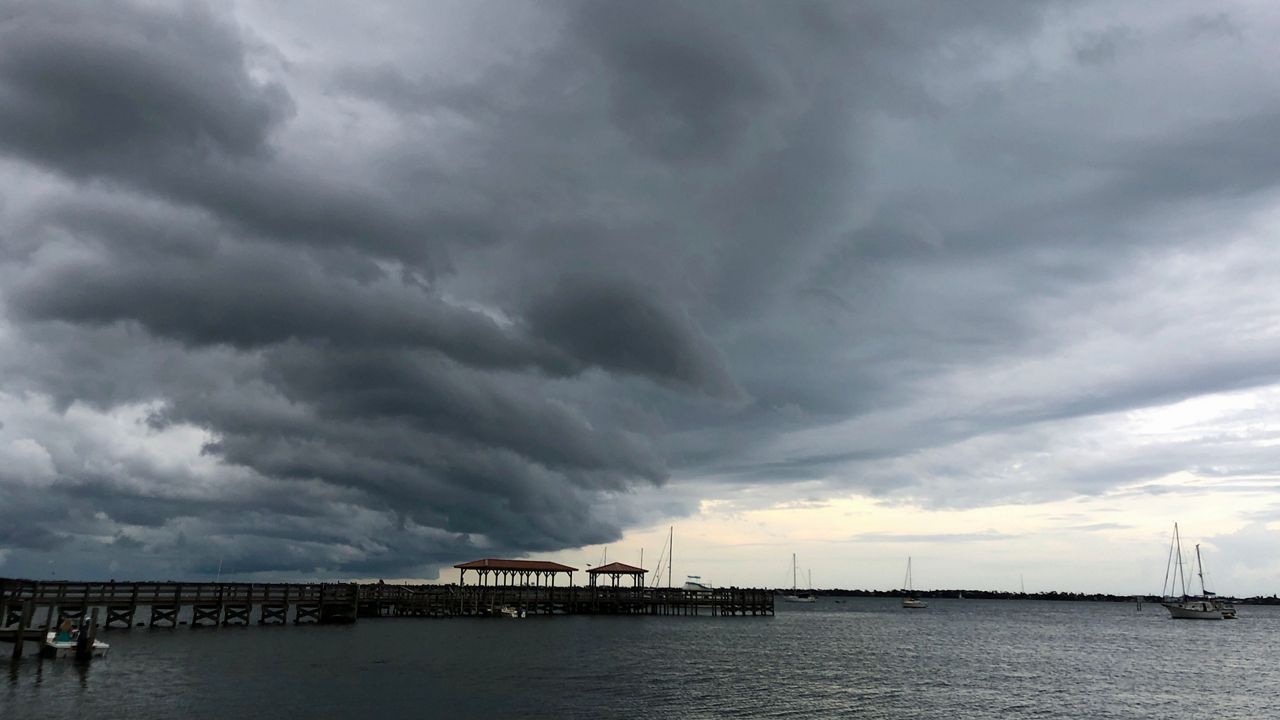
29 608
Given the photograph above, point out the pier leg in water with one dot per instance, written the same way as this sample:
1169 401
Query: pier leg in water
28 608
84 642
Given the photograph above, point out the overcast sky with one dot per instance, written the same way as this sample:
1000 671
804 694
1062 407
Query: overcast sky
355 290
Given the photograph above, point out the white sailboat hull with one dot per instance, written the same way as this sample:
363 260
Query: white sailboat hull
1194 610
799 598
913 604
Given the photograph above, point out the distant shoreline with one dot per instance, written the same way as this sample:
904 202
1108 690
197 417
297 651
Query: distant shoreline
1003 595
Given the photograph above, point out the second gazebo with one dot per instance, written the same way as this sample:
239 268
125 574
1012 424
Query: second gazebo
615 571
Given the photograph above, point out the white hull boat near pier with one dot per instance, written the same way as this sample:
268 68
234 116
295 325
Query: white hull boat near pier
54 648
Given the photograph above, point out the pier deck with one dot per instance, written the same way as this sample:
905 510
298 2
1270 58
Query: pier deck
28 608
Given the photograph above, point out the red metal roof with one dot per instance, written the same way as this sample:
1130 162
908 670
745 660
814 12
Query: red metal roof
619 568
518 565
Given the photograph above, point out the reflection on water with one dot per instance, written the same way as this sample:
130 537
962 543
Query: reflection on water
863 657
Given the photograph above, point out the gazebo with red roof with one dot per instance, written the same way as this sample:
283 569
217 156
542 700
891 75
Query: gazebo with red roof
507 573
615 571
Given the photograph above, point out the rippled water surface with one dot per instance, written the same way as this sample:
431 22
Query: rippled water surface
862 658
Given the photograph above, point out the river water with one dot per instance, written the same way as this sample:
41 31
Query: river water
863 658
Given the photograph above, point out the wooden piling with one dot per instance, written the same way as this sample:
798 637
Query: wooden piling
24 620
88 633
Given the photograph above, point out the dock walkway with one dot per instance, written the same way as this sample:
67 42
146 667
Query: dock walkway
28 608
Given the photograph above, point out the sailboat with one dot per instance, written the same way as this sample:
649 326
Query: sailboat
796 596
910 600
1205 606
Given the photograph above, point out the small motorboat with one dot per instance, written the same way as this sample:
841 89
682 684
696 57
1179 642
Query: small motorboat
56 647
509 611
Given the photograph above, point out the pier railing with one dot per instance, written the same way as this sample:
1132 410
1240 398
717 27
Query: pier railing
164 593
449 600
29 604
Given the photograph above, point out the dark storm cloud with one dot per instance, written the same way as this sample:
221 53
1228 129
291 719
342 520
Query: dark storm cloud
94 89
625 328
445 399
347 305
217 291
163 101
363 379
681 87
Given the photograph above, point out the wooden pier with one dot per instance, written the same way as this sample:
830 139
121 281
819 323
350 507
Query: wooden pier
29 608
454 601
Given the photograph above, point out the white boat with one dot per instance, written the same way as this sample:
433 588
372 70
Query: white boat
55 648
1206 605
910 601
797 596
510 611
1194 609
694 582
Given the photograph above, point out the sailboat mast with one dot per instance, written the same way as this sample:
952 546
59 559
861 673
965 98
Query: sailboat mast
671 550
1200 570
1166 587
1182 578
793 573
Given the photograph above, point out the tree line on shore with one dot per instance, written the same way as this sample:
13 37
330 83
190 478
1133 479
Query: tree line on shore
1008 595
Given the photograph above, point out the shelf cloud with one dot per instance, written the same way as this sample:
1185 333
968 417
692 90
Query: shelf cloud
326 295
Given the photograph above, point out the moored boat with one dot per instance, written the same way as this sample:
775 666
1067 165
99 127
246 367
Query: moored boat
911 602
694 583
1206 605
64 643
797 596
1194 609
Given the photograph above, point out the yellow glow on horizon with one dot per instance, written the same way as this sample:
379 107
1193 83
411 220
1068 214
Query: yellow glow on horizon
1112 542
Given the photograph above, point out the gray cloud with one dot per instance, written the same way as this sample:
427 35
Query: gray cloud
112 88
682 86
627 329
316 311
